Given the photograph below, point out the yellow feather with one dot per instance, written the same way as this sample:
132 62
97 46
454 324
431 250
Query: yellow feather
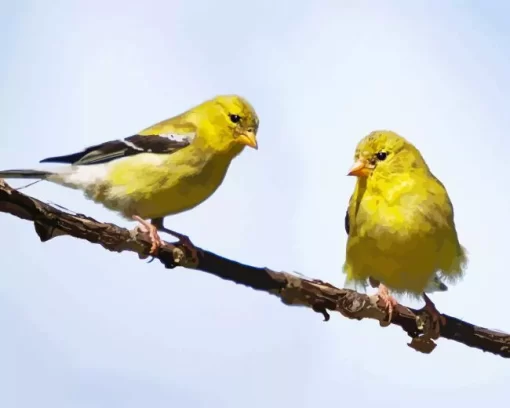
150 184
156 185
402 228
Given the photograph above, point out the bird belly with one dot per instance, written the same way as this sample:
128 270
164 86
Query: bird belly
404 264
154 192
175 196
394 245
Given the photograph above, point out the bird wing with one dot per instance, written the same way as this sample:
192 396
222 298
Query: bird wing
132 145
347 222
347 219
359 285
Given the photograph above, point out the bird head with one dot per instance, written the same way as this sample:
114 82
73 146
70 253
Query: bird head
234 120
385 152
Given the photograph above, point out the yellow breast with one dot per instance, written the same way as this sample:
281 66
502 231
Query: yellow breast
397 242
153 186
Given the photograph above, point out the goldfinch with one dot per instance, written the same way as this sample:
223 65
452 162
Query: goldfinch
168 168
400 223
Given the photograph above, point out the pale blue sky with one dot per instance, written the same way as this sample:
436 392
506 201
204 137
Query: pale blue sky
82 327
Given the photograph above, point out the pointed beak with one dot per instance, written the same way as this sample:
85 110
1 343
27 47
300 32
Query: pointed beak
359 169
248 138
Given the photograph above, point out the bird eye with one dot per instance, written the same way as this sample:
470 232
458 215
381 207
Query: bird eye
235 118
381 156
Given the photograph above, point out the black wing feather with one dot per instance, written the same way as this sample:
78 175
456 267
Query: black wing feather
116 149
346 222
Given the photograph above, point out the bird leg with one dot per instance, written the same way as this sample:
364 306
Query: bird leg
184 240
146 226
389 301
437 318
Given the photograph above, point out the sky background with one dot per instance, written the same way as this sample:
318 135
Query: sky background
83 327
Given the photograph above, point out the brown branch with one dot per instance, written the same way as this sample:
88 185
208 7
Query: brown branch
322 297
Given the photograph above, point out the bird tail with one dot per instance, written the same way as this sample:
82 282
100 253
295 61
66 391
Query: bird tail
436 285
453 267
24 174
76 177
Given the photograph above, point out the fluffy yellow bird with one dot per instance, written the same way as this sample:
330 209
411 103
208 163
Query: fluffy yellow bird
165 169
400 223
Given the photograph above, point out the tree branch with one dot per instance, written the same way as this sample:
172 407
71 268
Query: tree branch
322 297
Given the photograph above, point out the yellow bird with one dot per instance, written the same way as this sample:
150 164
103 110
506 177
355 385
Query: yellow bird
400 223
165 169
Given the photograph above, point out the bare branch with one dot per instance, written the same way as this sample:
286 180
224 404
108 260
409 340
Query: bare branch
322 297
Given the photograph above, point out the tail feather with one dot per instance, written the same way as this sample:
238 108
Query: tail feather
24 174
436 285
70 158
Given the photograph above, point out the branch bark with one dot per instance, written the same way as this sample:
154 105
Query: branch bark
50 222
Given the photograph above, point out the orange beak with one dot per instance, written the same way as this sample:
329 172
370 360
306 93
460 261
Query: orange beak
248 138
359 169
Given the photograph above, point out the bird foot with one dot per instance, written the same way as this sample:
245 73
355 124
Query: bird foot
147 227
389 301
185 241
437 319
